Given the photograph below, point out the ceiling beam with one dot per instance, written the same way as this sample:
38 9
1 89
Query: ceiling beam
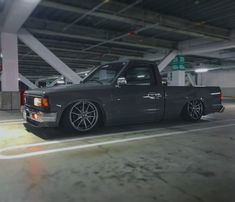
18 12
68 56
148 18
48 56
61 52
75 36
27 82
167 59
225 55
49 27
208 49
38 66
205 48
76 47
191 79
69 60
101 54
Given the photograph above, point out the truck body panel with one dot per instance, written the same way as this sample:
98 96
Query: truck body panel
130 103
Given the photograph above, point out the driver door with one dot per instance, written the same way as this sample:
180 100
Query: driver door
141 99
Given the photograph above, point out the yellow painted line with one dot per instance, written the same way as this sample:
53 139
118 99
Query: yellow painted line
11 120
229 97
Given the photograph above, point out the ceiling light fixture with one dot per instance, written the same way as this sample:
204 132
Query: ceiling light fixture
201 70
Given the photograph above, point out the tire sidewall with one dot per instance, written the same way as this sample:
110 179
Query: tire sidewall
67 119
186 114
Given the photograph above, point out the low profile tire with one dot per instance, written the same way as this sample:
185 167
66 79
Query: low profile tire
193 110
82 116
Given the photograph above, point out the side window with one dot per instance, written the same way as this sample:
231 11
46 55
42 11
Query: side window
141 75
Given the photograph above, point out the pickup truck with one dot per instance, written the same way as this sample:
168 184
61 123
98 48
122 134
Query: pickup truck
118 93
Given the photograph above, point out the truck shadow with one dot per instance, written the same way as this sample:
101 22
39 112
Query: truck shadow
60 133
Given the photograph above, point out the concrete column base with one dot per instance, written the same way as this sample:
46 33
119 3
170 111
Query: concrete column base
9 100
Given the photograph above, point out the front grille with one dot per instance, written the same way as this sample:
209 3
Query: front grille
29 100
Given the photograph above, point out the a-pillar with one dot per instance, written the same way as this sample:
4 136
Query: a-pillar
9 95
176 78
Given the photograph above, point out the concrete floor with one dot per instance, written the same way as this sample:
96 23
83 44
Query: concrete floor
167 161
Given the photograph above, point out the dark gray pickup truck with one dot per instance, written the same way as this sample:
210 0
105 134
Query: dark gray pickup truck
118 93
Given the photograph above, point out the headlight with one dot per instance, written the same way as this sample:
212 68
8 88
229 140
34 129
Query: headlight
40 102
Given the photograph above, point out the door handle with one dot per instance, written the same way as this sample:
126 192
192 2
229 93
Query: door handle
149 97
158 95
152 96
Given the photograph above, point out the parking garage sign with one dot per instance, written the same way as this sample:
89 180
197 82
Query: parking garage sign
178 63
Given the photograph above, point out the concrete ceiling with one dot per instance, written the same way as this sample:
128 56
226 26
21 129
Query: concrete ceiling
85 33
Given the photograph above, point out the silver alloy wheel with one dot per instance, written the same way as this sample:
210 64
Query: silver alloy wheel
195 109
83 115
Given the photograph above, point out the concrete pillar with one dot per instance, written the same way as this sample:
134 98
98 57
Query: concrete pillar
9 97
10 67
199 79
176 78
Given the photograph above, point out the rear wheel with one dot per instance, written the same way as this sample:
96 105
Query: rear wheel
193 110
82 116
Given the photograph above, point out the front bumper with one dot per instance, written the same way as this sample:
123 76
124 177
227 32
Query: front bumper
218 108
38 118
222 109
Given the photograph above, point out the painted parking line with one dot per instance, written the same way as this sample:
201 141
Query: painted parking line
21 121
90 145
133 132
12 123
11 120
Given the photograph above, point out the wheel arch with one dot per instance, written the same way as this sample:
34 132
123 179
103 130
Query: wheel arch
95 102
202 100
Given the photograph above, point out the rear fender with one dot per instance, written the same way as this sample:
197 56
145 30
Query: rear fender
197 98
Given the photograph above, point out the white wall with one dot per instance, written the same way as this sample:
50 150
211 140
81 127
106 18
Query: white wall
176 78
222 78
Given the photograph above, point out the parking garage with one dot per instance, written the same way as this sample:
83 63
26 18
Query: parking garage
148 110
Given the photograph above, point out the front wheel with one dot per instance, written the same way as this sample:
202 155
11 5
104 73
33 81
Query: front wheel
193 110
82 116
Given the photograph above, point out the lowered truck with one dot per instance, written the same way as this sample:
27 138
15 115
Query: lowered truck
118 93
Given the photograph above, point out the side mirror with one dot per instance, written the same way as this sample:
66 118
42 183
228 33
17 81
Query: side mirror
164 83
121 81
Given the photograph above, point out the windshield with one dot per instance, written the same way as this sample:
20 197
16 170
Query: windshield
105 74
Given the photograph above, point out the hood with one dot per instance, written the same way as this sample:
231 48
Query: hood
65 88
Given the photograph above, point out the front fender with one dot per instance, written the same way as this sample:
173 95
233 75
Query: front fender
97 102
